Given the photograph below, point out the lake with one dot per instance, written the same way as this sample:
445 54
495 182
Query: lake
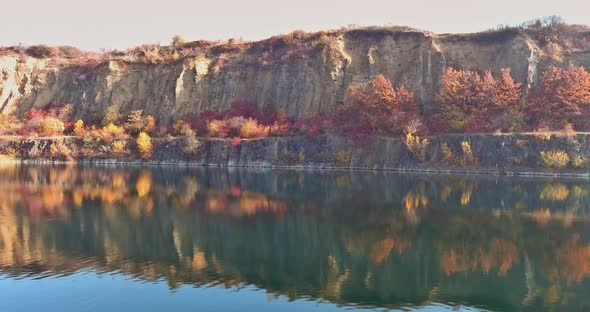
75 238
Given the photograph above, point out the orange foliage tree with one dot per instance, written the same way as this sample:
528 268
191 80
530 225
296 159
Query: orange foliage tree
468 101
376 108
561 97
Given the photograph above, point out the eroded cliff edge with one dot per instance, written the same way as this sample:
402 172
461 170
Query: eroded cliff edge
304 73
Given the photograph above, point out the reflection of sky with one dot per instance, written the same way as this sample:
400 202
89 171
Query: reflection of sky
88 291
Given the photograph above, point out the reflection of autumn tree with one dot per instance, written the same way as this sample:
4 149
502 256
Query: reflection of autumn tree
466 192
461 186
541 216
14 245
414 201
554 192
144 183
466 246
189 191
240 203
499 254
346 242
383 248
580 190
377 243
216 203
445 193
574 261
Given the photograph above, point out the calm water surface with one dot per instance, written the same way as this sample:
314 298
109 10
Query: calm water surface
180 239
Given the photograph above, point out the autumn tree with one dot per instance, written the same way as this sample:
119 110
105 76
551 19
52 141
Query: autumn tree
112 115
468 101
144 145
135 122
561 97
546 29
502 102
376 108
458 98
178 40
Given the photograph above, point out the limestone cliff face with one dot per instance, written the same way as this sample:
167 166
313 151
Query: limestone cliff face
305 77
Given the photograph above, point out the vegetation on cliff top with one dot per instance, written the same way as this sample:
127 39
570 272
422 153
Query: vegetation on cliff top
551 33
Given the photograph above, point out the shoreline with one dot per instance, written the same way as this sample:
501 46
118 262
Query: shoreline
309 167
488 154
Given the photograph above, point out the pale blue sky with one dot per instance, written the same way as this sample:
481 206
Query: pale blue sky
124 23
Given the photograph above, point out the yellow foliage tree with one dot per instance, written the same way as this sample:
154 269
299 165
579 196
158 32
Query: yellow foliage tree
52 126
144 146
150 124
78 127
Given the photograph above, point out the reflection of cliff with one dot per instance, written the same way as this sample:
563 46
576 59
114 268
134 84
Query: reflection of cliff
378 240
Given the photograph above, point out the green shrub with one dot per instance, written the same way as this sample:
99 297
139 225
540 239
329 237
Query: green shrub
521 143
300 157
343 157
580 162
111 115
191 144
555 159
181 127
416 146
135 122
468 158
290 157
447 154
59 150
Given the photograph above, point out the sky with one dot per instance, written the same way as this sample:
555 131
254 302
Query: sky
120 24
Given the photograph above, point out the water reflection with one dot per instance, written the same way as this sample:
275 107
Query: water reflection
360 238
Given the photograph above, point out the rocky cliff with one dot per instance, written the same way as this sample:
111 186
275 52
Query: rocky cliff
304 73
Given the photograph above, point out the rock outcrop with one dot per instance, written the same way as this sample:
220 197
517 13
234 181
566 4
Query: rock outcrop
498 154
304 73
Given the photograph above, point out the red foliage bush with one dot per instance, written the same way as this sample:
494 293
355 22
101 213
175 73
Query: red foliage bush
218 128
200 121
316 125
235 142
35 113
561 97
469 102
376 108
281 128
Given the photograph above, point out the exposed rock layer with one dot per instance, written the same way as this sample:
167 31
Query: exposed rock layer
491 153
305 77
